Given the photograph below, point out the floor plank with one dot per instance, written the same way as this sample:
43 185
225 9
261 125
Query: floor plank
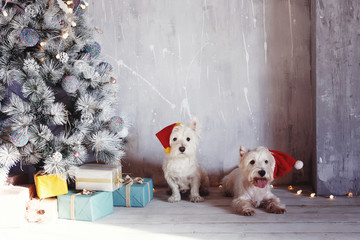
306 218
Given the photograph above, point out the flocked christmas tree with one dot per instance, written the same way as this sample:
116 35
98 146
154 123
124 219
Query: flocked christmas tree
63 108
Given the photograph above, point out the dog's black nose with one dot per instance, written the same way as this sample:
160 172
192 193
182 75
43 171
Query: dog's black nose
261 173
182 149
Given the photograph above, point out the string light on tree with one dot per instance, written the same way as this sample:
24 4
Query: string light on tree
112 80
290 187
312 195
350 194
331 197
65 35
298 192
3 9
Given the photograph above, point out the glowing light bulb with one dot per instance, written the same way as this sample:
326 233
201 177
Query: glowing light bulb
112 80
220 186
65 35
70 10
272 186
312 195
290 187
73 24
57 56
4 13
42 44
69 2
298 192
350 194
86 3
331 197
82 6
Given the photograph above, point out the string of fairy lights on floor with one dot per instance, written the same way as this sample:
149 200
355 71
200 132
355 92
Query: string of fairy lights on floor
313 195
300 192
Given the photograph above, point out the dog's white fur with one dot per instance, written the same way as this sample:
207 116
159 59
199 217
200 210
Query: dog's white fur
243 185
181 168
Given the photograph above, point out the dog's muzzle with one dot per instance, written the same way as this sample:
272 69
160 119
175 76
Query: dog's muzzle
260 181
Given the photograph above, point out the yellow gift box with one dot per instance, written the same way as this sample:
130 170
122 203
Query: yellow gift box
49 185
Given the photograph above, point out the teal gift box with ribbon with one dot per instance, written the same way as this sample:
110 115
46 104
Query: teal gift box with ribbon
85 205
135 192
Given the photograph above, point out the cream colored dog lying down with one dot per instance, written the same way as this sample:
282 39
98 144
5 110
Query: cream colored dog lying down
249 184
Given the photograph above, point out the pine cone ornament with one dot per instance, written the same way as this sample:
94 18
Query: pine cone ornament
63 57
31 66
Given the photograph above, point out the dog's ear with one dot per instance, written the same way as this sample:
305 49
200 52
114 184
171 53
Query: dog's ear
242 151
194 124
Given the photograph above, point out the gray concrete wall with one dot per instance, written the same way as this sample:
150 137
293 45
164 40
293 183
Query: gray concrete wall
241 67
337 95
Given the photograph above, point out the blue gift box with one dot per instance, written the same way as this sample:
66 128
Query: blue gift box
90 207
135 195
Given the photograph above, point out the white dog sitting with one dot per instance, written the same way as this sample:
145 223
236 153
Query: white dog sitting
250 183
181 168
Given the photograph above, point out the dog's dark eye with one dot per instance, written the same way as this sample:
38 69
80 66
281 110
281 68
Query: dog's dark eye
252 162
266 161
188 139
174 139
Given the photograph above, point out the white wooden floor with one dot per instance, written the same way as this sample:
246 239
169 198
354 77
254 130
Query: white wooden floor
306 218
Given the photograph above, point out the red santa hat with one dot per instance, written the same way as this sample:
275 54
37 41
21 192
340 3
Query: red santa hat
164 136
284 163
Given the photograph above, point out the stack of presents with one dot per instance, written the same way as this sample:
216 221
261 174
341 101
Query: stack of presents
98 188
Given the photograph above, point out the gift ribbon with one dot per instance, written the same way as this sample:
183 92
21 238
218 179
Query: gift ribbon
41 172
72 201
128 181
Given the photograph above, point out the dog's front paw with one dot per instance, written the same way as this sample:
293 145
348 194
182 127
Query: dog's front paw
173 199
278 210
196 199
248 212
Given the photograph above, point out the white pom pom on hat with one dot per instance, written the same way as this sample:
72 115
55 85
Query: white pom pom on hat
299 164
